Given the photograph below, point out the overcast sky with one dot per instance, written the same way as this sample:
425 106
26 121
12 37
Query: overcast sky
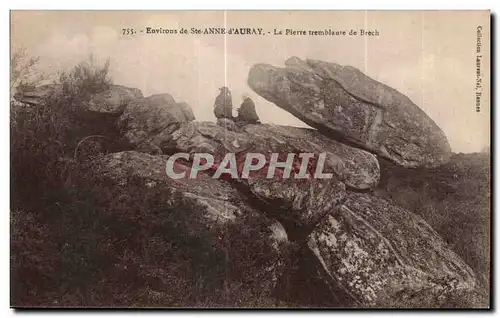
429 56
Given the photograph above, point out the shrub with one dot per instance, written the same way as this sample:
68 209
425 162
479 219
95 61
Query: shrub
43 138
42 142
23 71
105 244
80 240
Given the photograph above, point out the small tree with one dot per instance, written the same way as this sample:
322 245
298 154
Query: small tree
23 71
86 78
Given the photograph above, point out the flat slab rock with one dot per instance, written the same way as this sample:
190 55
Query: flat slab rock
222 202
377 254
346 104
297 203
111 101
37 95
354 167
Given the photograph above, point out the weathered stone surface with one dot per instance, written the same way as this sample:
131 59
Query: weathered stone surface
217 196
223 207
114 100
454 199
378 254
356 168
111 101
227 123
145 117
297 203
37 95
345 104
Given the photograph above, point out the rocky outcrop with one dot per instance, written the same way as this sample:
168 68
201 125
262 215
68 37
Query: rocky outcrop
211 193
220 205
356 168
347 105
365 246
227 123
111 101
370 253
373 253
37 95
454 199
114 100
147 116
299 204
223 203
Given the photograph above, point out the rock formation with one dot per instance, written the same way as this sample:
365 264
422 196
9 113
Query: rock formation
454 199
111 101
367 249
37 95
345 104
379 254
222 205
144 117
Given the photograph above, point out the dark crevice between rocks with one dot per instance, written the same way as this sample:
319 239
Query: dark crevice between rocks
305 282
329 132
296 231
274 210
356 190
99 124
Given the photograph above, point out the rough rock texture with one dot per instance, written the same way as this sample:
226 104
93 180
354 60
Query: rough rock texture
37 95
297 203
299 206
145 117
114 100
111 101
344 103
356 168
454 199
373 253
227 123
222 204
357 238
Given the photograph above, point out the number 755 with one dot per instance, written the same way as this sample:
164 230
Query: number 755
128 31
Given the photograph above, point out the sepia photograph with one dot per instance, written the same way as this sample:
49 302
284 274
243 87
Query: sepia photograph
250 159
